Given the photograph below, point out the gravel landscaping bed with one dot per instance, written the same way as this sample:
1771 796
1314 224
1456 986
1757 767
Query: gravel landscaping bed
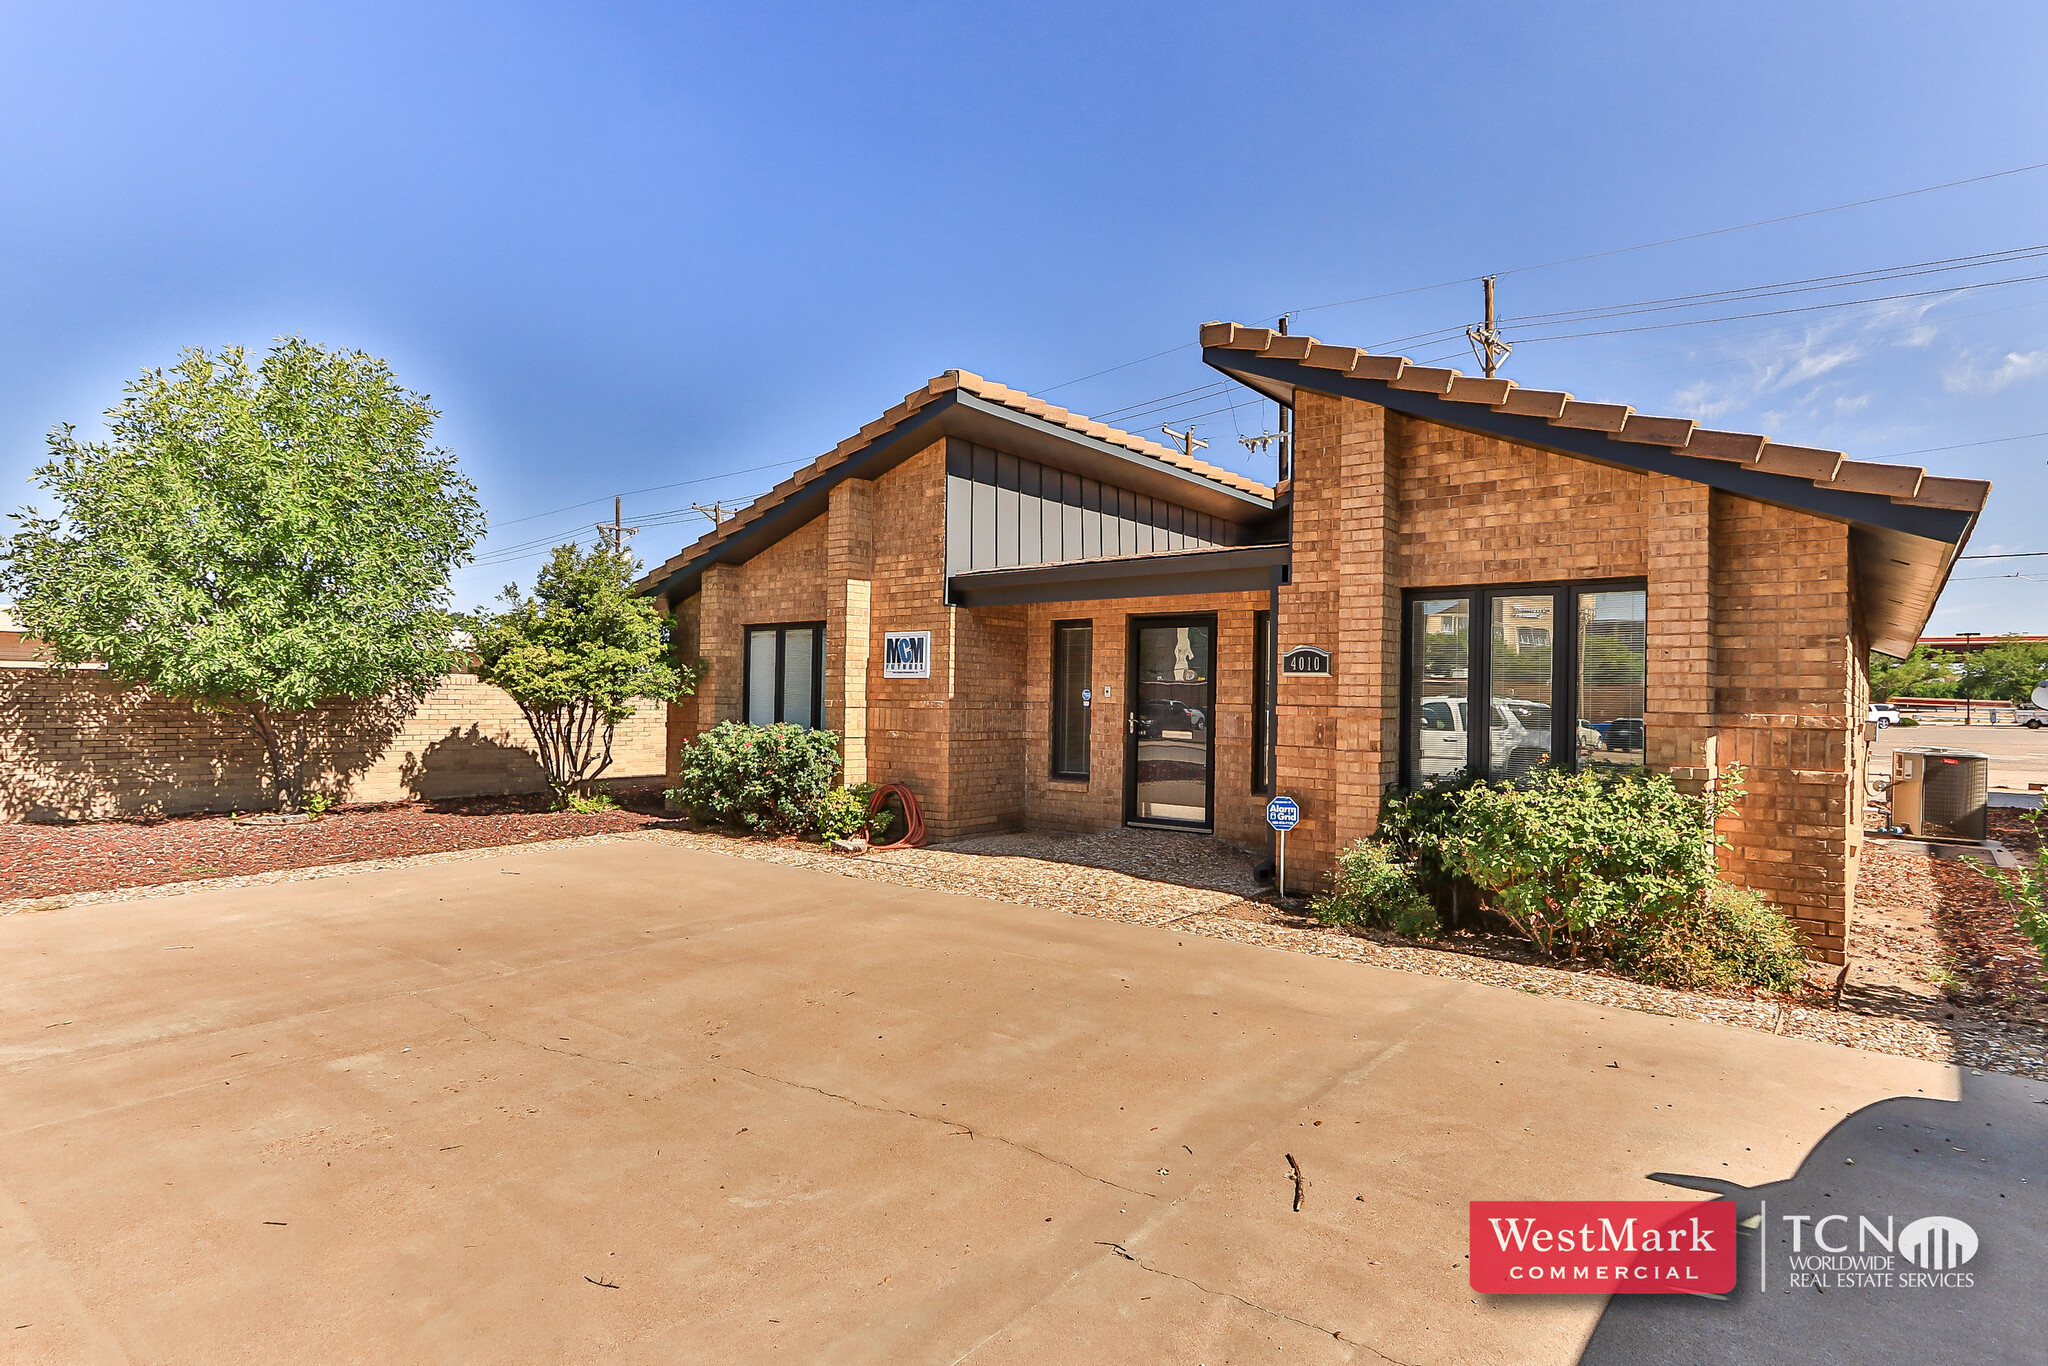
1938 970
61 860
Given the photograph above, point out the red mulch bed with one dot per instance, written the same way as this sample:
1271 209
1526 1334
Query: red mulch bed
55 860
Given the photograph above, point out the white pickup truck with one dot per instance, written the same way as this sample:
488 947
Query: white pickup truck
2036 716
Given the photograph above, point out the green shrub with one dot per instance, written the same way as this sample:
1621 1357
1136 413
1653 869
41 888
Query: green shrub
316 803
2027 889
589 804
1732 938
1571 860
1374 889
760 777
1416 826
843 812
1907 721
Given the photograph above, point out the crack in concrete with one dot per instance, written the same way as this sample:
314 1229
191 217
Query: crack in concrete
1334 1333
957 1126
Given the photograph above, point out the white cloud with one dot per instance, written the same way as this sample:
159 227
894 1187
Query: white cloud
1970 376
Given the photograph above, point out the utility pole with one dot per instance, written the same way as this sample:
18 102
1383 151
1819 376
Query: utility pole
1967 637
1487 346
616 531
1188 442
717 512
1285 469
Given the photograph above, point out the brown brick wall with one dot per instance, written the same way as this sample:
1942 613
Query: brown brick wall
1098 803
1749 621
1790 692
76 746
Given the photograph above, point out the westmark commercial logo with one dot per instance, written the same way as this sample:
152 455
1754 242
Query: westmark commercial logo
1603 1247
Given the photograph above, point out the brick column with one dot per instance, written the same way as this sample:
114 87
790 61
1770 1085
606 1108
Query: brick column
1333 733
720 640
1678 710
849 622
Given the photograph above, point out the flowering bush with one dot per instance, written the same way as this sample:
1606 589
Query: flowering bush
761 777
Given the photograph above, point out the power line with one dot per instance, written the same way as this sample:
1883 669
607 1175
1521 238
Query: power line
1961 446
1783 312
1590 256
2010 555
635 493
1692 236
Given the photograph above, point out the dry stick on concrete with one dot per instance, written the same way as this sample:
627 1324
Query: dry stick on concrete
609 1285
1296 1168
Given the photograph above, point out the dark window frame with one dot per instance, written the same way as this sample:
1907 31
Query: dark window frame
1564 669
1057 730
782 630
1264 656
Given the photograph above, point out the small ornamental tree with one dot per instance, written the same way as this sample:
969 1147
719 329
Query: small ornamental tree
575 656
255 542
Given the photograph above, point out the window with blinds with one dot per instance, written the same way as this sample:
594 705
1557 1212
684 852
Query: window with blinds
785 674
1073 658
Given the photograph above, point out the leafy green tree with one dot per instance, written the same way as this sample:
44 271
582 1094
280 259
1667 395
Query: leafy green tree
256 543
2008 671
575 656
1923 673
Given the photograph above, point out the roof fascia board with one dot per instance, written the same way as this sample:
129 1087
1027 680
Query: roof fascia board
959 413
1945 525
1130 469
1233 570
901 442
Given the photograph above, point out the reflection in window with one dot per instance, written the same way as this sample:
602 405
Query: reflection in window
1613 677
1073 650
1439 676
1520 668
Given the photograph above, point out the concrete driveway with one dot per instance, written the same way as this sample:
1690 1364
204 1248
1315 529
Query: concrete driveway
628 1102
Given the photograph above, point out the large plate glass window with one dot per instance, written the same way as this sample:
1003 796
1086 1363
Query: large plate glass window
1613 674
1521 674
1557 673
1438 684
786 674
1073 659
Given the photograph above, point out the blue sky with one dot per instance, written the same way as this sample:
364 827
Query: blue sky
629 245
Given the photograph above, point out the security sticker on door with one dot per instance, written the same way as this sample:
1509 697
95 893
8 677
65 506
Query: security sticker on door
906 654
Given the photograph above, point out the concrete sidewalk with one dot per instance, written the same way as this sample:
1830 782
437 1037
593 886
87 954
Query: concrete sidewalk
627 1102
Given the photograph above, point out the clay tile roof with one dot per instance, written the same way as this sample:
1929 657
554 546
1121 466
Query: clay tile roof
1906 484
964 380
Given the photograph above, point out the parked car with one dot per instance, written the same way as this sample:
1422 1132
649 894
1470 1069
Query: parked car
1884 714
1518 739
1625 735
2034 716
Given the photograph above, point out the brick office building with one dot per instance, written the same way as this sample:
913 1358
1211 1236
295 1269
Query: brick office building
1035 620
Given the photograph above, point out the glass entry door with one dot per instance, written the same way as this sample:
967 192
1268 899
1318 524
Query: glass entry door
1169 738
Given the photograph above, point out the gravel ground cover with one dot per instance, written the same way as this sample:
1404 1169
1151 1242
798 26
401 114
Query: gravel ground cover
1938 971
58 860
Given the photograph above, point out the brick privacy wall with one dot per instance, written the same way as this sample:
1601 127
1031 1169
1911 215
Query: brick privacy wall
1751 659
1098 803
77 746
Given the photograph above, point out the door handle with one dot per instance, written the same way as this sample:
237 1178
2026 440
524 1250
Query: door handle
1131 724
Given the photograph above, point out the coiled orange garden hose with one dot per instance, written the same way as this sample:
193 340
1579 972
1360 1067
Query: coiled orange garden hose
913 815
